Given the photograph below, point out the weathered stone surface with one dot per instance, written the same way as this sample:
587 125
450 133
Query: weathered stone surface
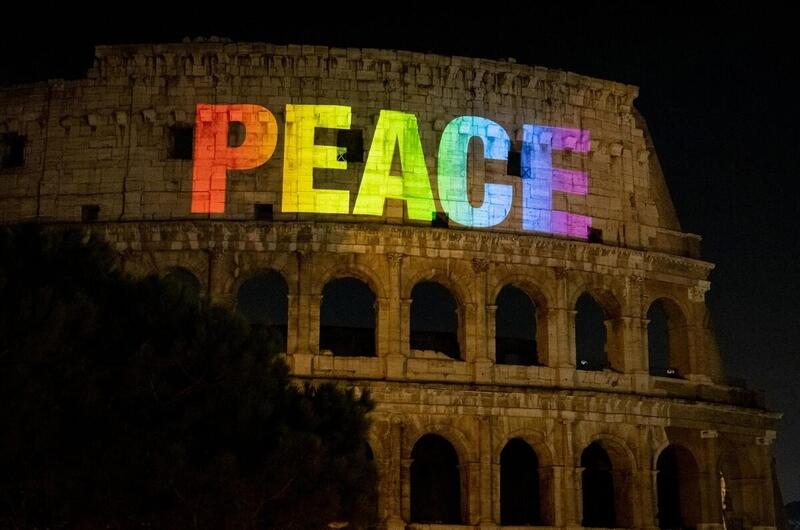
102 140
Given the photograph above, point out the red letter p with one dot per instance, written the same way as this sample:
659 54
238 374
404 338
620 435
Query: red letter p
213 157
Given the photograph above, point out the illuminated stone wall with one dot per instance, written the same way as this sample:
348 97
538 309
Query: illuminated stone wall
103 141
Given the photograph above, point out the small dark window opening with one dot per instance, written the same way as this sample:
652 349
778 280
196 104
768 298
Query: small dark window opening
181 142
90 213
590 334
434 321
435 482
347 318
519 485
514 164
262 212
595 235
515 328
352 140
439 220
264 301
658 341
598 488
12 151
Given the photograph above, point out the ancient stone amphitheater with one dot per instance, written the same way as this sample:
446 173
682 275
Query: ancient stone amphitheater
488 248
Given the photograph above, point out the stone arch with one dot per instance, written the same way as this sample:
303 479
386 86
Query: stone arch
677 488
458 438
524 495
516 329
352 270
536 439
541 302
597 345
667 338
617 481
185 280
539 294
350 332
249 266
263 298
436 481
436 320
460 289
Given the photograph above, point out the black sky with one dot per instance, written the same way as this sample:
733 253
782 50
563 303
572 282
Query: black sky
718 90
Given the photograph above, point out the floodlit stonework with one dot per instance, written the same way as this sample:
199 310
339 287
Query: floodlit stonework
97 150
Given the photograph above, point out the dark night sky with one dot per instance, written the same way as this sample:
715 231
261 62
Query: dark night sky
717 91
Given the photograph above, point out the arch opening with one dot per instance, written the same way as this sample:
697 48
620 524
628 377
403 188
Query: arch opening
667 341
434 320
435 482
515 328
347 318
264 301
519 485
590 335
598 488
185 282
678 489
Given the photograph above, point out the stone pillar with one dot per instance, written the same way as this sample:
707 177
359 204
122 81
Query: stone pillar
394 481
303 353
217 272
486 491
644 494
405 327
471 490
382 309
397 322
491 333
708 480
482 362
571 485
561 336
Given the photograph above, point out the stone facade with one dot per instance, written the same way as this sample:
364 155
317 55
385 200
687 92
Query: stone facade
102 141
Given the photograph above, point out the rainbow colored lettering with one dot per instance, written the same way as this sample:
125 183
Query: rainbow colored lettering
398 132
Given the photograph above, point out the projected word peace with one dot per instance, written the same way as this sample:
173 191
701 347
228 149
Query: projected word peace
395 132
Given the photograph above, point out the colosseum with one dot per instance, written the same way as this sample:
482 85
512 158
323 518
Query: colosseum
490 249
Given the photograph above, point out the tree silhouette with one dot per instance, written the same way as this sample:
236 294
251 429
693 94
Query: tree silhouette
130 403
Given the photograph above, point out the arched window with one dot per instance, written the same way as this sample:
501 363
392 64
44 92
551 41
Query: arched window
598 488
519 485
435 482
434 320
347 318
678 489
264 301
515 328
186 282
667 345
590 334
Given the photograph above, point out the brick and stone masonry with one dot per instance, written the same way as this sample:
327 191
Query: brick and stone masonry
104 151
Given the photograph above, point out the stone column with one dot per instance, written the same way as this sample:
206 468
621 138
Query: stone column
303 353
394 473
571 486
708 481
397 325
486 491
482 362
561 336
217 272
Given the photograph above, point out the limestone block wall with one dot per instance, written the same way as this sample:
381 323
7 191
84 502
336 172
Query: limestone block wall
104 140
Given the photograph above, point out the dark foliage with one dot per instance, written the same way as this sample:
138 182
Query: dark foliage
131 404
